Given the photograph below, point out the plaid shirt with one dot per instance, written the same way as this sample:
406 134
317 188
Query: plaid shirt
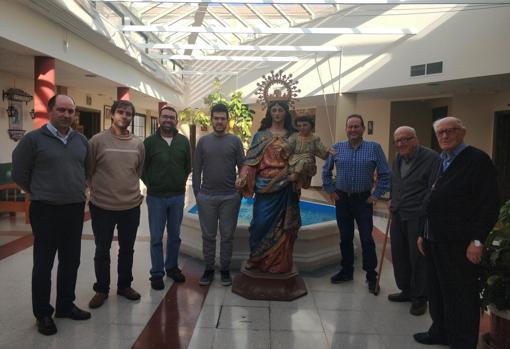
355 169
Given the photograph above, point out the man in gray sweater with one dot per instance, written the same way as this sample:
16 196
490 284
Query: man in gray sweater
411 176
50 164
214 174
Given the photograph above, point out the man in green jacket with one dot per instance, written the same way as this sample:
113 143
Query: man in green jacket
167 166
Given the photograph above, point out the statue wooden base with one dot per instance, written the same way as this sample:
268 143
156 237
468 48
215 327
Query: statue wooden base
256 285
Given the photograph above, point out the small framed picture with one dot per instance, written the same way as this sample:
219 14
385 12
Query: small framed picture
107 118
370 127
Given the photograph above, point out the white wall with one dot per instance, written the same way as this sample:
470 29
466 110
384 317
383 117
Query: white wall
470 44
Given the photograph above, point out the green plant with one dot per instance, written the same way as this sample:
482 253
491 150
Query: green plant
496 263
241 117
195 116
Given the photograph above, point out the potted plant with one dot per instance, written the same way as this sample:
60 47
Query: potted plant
496 280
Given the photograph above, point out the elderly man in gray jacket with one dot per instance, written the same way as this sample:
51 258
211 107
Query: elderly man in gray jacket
412 171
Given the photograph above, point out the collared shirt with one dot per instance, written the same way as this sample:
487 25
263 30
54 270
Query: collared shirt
355 169
449 157
57 134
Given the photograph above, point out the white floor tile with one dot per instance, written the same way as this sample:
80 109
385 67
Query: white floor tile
244 318
355 341
295 320
209 316
298 340
347 321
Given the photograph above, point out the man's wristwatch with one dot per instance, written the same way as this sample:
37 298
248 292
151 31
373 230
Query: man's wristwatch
477 243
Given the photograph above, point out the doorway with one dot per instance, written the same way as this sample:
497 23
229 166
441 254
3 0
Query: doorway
90 121
501 151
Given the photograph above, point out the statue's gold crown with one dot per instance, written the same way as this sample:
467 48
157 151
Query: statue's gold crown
277 87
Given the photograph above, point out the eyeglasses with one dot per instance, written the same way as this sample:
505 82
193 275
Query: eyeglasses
403 140
446 131
168 117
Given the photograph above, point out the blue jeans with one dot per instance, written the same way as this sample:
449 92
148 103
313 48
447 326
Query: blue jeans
164 211
351 207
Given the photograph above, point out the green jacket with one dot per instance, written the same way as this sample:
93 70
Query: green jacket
166 167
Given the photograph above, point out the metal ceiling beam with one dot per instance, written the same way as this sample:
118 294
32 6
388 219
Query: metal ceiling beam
275 48
148 8
308 10
314 2
264 30
218 19
167 12
283 14
259 15
199 20
203 72
228 58
236 16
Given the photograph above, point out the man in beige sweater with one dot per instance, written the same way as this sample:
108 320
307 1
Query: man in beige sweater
117 158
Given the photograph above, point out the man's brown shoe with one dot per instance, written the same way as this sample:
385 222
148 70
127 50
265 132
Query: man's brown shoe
97 300
129 293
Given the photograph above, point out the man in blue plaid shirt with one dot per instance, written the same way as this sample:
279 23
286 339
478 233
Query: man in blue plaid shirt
356 160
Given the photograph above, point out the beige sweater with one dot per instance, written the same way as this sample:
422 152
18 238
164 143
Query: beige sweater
116 164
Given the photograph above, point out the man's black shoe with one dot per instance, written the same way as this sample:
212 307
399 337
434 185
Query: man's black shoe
372 285
74 313
226 279
207 278
157 284
340 277
427 338
399 297
175 274
418 308
46 326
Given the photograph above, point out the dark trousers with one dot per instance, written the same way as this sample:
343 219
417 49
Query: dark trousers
103 226
55 228
408 263
350 208
453 292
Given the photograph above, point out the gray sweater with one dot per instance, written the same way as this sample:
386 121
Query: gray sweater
214 168
50 170
408 192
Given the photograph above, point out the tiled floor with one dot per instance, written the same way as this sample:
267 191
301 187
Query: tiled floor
329 316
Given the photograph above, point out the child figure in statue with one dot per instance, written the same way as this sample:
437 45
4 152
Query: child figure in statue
304 147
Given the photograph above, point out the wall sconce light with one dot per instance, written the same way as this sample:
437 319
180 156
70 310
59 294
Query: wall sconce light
15 97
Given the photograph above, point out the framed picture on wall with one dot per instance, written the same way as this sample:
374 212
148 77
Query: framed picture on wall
107 119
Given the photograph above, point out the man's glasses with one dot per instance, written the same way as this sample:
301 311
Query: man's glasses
403 140
446 131
170 117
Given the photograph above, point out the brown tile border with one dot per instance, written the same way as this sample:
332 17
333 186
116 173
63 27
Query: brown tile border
173 322
16 246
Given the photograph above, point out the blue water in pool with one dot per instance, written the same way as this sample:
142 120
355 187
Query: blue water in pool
311 213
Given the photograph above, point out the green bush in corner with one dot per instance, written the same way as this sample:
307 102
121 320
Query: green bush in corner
496 264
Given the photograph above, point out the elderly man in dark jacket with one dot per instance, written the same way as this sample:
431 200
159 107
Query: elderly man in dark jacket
462 208
413 169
